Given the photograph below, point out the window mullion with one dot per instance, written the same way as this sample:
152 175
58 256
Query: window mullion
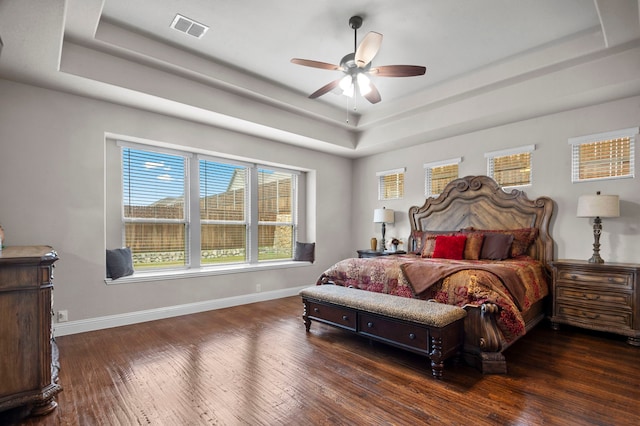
252 215
193 213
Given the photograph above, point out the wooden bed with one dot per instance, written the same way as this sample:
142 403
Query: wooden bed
496 315
479 202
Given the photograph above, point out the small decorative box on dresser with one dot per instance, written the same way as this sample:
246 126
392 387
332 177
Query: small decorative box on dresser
28 358
597 296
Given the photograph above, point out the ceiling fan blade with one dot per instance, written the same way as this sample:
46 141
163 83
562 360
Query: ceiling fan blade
373 96
398 70
368 49
315 64
325 89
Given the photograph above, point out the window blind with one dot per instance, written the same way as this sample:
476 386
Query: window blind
605 159
276 214
391 184
510 167
439 174
154 215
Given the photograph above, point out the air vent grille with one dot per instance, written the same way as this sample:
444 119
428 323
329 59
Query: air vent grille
189 26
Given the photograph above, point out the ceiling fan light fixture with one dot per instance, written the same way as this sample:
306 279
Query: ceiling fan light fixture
346 84
364 84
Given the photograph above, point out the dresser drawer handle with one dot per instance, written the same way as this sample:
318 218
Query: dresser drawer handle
611 279
590 296
412 336
345 318
370 324
591 316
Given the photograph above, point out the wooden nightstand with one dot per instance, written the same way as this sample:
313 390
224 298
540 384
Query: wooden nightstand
375 253
597 296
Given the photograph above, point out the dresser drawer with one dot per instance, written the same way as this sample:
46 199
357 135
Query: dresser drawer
411 335
596 298
588 278
336 315
621 318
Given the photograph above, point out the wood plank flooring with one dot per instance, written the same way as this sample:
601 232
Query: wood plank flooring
256 365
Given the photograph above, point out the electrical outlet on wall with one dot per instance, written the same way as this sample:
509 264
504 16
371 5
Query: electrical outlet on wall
258 288
63 316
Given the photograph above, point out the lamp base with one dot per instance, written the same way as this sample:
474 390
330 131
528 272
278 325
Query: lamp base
596 259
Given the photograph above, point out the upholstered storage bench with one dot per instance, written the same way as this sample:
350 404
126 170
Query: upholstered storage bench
424 327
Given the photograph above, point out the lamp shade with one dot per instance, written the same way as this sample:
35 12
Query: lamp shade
598 206
383 216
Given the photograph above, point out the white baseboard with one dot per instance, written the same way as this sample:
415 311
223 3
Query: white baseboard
99 323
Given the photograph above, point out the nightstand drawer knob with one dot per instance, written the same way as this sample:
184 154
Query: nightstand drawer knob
590 296
573 277
592 316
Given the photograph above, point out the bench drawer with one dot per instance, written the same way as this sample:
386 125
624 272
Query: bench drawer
335 315
410 335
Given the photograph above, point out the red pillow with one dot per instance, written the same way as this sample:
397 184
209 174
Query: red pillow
450 247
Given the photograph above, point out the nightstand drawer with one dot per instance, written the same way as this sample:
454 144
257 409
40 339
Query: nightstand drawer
595 318
614 299
585 278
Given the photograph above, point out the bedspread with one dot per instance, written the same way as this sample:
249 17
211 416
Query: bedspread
385 274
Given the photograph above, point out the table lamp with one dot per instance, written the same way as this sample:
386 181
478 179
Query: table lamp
383 216
598 206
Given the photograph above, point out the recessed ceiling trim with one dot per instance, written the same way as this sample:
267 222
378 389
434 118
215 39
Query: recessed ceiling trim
189 26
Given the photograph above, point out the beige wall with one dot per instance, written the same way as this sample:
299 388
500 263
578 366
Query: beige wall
551 177
52 191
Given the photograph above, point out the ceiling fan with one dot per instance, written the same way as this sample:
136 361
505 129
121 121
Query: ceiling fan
357 65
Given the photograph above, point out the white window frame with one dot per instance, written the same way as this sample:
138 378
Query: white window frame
428 170
382 175
192 198
491 156
575 143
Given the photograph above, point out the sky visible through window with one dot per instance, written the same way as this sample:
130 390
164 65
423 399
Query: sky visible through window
152 176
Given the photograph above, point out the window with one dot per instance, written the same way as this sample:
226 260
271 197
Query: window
438 174
391 184
186 210
510 167
155 222
603 156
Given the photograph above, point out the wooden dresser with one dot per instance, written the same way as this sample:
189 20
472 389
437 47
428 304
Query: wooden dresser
597 296
28 371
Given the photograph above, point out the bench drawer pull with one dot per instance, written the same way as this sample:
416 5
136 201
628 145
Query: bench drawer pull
316 310
412 336
345 318
369 324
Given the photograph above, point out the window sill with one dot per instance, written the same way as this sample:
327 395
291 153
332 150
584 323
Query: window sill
203 272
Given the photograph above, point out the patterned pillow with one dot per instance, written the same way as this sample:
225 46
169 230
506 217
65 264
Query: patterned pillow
473 247
418 241
429 241
450 246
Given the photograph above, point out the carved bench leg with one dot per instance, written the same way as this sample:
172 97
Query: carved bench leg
437 364
305 316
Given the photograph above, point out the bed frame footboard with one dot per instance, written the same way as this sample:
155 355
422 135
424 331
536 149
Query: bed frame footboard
482 345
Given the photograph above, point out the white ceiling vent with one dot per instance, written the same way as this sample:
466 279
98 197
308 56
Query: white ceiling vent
188 26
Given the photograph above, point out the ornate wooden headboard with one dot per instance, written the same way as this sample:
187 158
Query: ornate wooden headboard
478 201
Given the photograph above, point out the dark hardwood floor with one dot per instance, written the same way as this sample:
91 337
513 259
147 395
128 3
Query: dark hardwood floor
256 365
